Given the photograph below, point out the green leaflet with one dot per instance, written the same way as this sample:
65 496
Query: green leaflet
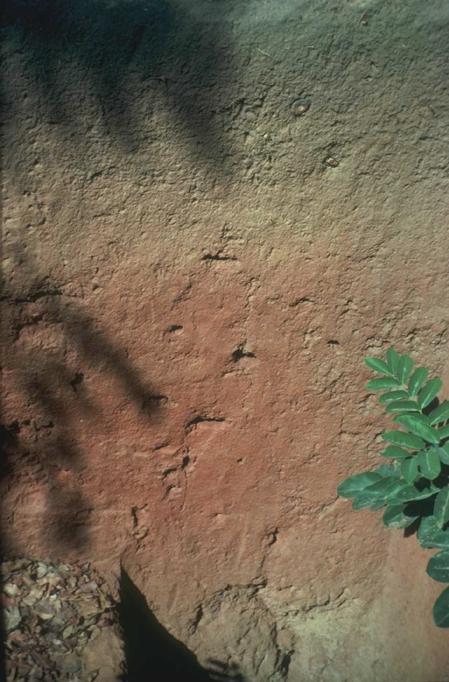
428 392
431 536
438 566
378 365
440 413
355 484
441 609
394 517
393 359
443 452
418 427
387 471
404 368
409 469
410 493
393 395
443 432
440 540
406 440
417 380
377 494
441 507
429 463
379 384
402 406
395 452
428 528
421 418
385 488
365 500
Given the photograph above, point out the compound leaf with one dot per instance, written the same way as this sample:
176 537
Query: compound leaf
355 484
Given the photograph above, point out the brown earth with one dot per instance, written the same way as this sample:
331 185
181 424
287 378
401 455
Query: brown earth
212 211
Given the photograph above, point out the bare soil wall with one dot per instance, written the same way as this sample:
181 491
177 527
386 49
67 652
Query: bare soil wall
212 211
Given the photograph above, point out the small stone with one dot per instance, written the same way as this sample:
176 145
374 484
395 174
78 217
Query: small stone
41 570
301 106
141 533
32 597
331 162
69 630
10 589
44 611
12 618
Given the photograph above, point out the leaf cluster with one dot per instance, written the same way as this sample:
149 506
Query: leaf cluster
412 485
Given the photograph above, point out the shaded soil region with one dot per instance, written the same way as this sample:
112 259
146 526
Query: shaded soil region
151 652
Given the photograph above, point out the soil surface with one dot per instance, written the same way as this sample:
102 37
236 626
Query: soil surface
212 211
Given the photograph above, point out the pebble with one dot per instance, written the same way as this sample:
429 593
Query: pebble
331 162
41 570
301 106
12 618
10 589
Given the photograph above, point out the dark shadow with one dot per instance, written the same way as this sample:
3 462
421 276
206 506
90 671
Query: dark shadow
42 448
151 652
46 448
116 51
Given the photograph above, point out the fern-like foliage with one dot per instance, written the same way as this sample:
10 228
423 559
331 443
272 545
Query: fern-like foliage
412 485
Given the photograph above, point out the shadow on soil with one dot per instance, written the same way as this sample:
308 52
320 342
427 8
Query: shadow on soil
42 446
106 51
152 653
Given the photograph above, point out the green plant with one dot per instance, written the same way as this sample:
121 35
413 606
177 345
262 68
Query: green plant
413 483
